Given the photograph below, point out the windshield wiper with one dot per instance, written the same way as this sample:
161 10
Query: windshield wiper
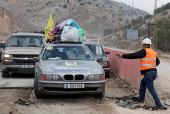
16 45
33 45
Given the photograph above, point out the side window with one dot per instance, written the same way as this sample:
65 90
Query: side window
7 41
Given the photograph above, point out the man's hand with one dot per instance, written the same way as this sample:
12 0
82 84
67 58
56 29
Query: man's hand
120 56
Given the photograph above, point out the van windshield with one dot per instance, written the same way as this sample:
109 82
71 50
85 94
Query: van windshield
26 41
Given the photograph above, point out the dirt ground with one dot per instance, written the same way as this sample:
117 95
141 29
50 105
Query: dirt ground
23 101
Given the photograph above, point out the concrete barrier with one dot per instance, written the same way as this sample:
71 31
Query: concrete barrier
126 69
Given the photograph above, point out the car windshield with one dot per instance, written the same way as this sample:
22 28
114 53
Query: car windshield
67 53
26 41
96 49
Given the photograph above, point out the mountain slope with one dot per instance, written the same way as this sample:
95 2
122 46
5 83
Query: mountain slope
92 15
7 23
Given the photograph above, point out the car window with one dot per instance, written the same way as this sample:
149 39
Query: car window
26 41
67 53
96 49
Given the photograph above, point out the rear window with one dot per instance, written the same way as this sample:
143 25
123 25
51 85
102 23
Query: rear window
96 49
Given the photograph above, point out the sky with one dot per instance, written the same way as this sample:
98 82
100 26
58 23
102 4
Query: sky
145 5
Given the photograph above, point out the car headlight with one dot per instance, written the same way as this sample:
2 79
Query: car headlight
91 77
55 77
95 77
6 55
105 64
50 77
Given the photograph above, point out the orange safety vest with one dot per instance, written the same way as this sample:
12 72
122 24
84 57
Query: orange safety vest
149 61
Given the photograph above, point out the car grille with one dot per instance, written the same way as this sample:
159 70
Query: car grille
76 89
79 77
68 77
24 56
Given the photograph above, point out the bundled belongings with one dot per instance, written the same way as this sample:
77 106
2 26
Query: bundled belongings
67 31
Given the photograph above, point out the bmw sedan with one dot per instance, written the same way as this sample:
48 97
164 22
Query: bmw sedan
68 68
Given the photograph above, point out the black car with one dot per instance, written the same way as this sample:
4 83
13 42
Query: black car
98 51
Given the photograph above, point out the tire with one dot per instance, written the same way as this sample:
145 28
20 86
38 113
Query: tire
108 76
5 74
99 96
36 91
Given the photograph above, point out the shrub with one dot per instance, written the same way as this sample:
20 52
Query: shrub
65 6
81 4
108 31
79 0
28 9
89 3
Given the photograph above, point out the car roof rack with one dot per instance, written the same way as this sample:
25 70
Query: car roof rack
60 42
41 32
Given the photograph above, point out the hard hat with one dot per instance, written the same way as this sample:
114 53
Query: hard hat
146 41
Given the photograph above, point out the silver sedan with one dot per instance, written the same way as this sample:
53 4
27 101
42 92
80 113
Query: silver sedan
68 69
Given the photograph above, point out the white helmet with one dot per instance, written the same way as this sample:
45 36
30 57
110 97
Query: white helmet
146 41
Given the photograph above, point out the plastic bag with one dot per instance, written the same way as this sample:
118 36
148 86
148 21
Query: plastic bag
81 34
70 34
70 22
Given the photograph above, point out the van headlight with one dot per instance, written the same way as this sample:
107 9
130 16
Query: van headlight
105 64
6 55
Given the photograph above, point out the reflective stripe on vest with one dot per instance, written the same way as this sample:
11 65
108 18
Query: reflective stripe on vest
148 65
149 61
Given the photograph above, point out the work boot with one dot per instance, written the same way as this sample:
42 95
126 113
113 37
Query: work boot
161 107
138 101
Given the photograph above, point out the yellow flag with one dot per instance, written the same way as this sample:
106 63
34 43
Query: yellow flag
49 26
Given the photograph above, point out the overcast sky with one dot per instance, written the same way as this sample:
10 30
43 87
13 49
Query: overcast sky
145 5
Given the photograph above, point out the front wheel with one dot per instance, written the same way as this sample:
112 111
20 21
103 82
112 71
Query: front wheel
5 74
36 91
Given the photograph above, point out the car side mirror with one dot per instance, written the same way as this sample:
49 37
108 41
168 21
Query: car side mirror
100 59
107 52
35 59
2 45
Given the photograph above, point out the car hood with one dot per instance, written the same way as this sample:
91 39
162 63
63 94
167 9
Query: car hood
62 68
22 50
103 56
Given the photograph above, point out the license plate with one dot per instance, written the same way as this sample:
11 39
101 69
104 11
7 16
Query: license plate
26 66
74 86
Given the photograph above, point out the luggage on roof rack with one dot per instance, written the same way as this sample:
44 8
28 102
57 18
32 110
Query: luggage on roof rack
66 32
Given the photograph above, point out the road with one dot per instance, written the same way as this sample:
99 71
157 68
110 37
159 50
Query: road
164 73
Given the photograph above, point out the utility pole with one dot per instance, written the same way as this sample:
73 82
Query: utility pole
113 31
155 26
131 24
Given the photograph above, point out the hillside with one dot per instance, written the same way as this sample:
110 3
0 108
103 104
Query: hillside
92 15
8 24
141 24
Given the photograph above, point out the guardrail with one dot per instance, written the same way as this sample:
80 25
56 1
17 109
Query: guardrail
127 69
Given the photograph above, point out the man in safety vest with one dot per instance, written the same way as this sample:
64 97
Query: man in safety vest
148 62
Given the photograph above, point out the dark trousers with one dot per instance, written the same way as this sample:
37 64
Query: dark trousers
148 81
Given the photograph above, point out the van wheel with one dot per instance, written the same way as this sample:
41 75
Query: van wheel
36 91
5 74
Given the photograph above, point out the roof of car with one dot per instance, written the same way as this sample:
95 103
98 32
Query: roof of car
65 44
27 34
91 42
